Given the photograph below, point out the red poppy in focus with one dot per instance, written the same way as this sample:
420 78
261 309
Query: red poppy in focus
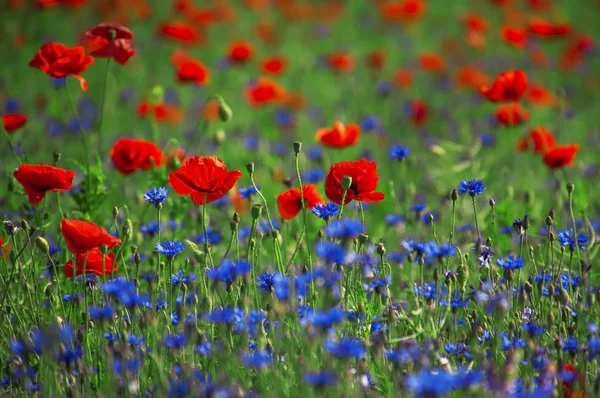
203 178
130 154
419 112
189 69
240 52
511 114
561 156
475 23
264 91
289 203
364 182
516 37
112 41
340 62
82 236
541 27
403 77
180 31
508 86
58 60
432 62
339 136
39 179
539 139
540 95
13 121
471 76
274 65
376 60
404 10
91 261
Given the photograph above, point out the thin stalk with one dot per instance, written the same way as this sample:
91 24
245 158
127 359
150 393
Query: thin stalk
103 104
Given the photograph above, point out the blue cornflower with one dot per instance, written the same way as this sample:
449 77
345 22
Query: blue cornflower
266 281
135 340
346 348
510 262
418 208
369 123
257 360
324 319
101 313
320 379
428 383
533 329
472 187
180 278
314 153
170 248
246 193
399 152
444 250
156 196
175 341
325 211
284 118
228 271
281 287
112 337
566 238
214 237
485 255
150 229
313 176
569 281
394 219
331 252
225 315
427 217
377 285
346 228
570 344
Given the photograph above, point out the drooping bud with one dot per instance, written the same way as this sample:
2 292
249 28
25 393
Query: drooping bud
363 238
225 112
127 229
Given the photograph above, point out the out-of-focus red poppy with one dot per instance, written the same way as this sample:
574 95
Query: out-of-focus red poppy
211 110
13 121
539 4
64 3
472 77
189 69
501 2
475 39
240 204
39 179
203 178
561 156
539 139
475 23
131 154
256 5
540 95
112 41
289 203
265 32
294 100
364 182
432 62
403 10
512 114
240 52
82 236
160 112
340 62
177 153
515 36
508 86
180 31
58 60
403 78
576 51
576 382
92 262
338 136
541 27
264 91
419 112
538 56
376 60
274 65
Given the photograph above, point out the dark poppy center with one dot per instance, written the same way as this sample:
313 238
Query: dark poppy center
354 188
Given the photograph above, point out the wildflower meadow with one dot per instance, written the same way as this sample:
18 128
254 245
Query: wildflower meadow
297 198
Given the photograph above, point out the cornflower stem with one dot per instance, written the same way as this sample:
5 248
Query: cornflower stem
475 215
158 242
83 134
252 229
574 230
204 228
228 246
172 288
342 204
106 68
304 214
12 148
26 285
453 222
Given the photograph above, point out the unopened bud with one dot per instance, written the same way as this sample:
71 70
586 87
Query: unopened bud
549 220
297 147
320 234
236 217
492 203
157 95
25 225
233 225
381 249
570 187
127 229
225 112
346 182
256 211
250 167
42 244
115 212
363 238
454 195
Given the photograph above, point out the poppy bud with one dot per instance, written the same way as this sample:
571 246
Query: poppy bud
24 225
363 238
56 156
137 259
454 195
225 112
276 235
115 212
492 203
112 34
252 244
198 254
346 182
320 234
297 146
133 249
220 136
381 249
255 212
127 229
236 217
250 167
570 187
157 95
103 249
42 244
549 221
233 225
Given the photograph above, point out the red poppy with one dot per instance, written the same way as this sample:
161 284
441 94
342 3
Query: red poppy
340 62
419 112
471 76
376 60
364 182
475 23
92 262
189 69
160 112
539 4
39 179
58 60
274 65
404 10
508 86
540 95
67 3
338 136
13 121
289 203
432 62
203 176
561 156
403 77
515 36
265 32
577 379
130 154
82 236
264 91
111 41
540 138
541 27
180 31
475 39
240 52
575 52
511 114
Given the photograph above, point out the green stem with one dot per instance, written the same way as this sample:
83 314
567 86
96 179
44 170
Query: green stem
12 148
204 227
476 222
304 213
342 204
103 103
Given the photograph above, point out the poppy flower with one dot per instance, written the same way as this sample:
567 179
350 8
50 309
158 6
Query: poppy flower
339 136
471 76
39 179
539 4
265 32
432 62
289 203
569 385
418 111
58 60
540 138
130 154
111 41
180 31
92 262
508 86
203 176
515 36
540 95
177 154
511 114
364 182
189 69
160 112
404 10
66 3
543 28
561 156
475 39
240 52
264 91
275 65
403 77
575 52
475 23
82 236
376 60
13 121
340 62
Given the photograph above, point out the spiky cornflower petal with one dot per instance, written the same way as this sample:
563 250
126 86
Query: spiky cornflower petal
472 187
156 196
170 248
399 152
325 211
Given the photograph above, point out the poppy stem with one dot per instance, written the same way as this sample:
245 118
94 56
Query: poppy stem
83 138
304 214
342 205
362 212
204 227
106 68
12 148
